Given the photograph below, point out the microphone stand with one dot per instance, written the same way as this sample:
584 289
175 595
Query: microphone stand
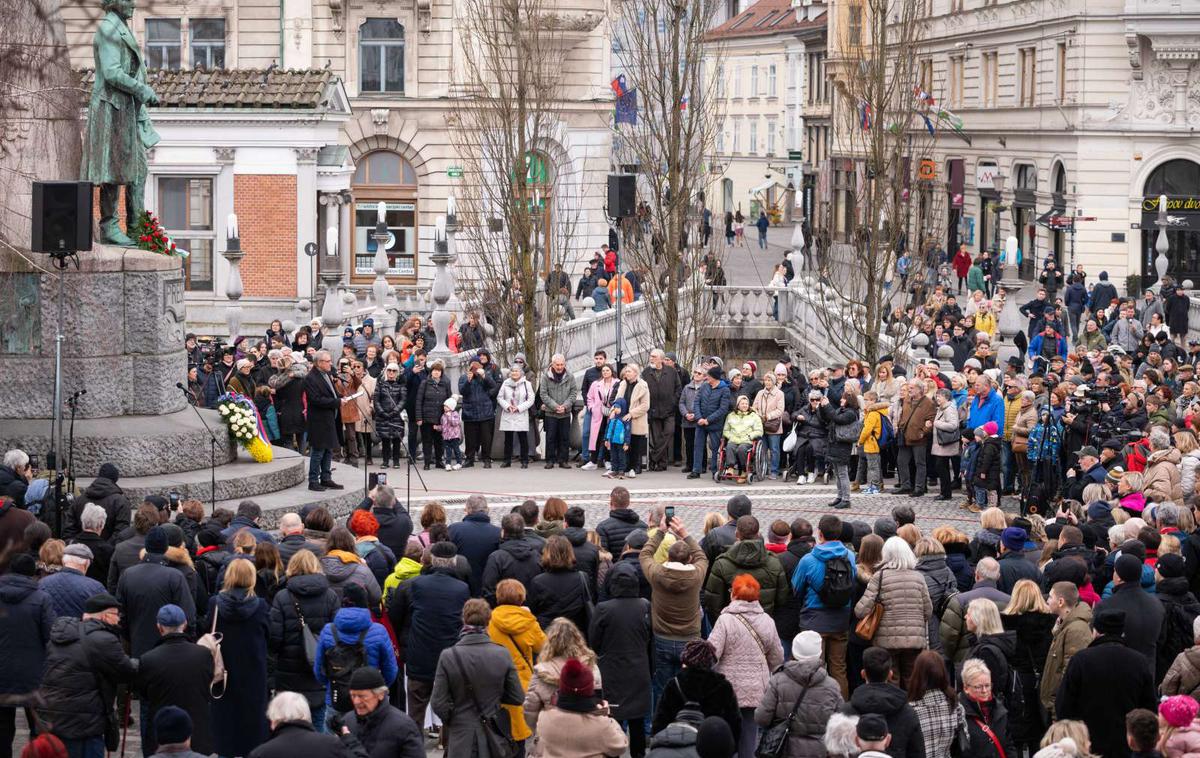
73 403
212 448
408 478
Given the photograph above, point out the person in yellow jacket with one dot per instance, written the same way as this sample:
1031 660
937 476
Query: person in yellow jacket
516 629
869 470
406 568
742 428
985 319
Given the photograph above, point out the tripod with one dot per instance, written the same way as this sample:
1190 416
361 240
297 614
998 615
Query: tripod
212 446
73 403
408 475
61 260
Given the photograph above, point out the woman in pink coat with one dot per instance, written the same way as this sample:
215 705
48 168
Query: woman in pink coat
598 397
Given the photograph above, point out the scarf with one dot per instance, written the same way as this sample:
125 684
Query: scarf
343 556
471 629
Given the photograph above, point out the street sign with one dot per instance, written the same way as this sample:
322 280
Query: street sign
795 155
454 172
311 249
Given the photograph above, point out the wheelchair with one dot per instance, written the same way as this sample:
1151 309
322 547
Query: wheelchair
758 464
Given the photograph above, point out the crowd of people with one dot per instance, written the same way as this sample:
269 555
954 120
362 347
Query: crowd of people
533 634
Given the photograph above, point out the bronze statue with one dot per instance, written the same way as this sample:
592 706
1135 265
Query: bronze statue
118 130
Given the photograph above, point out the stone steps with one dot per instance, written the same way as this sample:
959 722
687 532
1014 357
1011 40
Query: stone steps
238 480
292 498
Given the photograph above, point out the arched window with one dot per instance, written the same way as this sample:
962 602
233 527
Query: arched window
384 176
1179 180
381 56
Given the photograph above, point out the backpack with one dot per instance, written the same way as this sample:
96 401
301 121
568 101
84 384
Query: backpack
212 642
838 588
341 661
1044 441
887 432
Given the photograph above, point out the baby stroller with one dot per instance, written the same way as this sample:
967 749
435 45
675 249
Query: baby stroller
758 463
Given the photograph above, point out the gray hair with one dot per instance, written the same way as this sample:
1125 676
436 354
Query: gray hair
245 363
657 353
985 615
321 355
974 667
1116 534
988 568
288 706
1167 514
1196 628
93 518
290 523
274 354
16 459
898 555
476 504
436 561
945 394
385 496
558 357
1159 439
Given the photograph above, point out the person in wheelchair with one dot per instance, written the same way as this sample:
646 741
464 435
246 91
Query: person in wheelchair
743 428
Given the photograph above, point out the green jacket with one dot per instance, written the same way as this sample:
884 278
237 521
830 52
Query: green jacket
741 428
1094 340
563 392
746 557
975 278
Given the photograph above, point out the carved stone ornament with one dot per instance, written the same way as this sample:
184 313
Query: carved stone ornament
1154 96
225 155
1133 42
336 9
379 118
424 14
306 154
571 22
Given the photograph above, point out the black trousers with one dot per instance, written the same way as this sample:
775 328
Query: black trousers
479 438
558 439
522 439
431 441
391 449
941 469
689 444
366 444
8 728
677 441
637 451
662 432
414 435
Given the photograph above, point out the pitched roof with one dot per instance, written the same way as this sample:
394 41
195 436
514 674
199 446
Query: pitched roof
764 18
269 89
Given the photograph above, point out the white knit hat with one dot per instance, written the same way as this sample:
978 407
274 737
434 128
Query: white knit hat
806 645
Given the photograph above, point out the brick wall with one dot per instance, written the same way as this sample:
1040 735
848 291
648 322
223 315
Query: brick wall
266 209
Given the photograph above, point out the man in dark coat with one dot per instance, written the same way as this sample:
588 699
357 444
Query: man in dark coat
474 677
665 389
1103 293
175 672
587 555
293 735
292 539
516 558
324 416
248 514
621 636
1143 612
383 730
26 616
148 586
722 538
15 475
70 587
426 615
620 522
634 543
476 538
1014 566
128 552
174 726
104 492
1106 666
879 696
84 665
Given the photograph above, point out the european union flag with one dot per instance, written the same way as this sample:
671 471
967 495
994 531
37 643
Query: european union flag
626 112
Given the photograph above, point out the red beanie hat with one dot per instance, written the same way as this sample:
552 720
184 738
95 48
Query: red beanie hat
576 679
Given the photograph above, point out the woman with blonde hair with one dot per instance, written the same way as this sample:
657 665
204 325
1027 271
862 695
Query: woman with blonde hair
957 549
1129 490
305 599
1030 618
712 520
866 563
241 618
515 629
563 641
1076 731
986 542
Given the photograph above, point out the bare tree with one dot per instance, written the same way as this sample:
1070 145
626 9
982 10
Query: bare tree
521 200
886 123
671 73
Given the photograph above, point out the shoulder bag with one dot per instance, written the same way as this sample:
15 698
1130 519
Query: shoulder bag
307 636
497 734
212 643
750 628
869 624
774 740
991 736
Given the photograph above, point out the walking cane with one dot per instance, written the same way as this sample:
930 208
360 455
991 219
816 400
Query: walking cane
125 721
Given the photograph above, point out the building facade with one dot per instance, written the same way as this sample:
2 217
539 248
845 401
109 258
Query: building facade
303 174
1078 116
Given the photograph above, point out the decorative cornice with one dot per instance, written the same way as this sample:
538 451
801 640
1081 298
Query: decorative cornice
225 155
306 154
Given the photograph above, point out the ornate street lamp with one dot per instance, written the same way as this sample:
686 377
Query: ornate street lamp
233 285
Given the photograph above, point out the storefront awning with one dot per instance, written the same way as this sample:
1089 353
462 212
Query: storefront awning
763 187
1058 210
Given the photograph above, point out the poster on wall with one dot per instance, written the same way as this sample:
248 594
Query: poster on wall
968 230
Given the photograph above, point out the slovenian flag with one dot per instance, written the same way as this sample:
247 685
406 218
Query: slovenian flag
924 96
864 114
619 86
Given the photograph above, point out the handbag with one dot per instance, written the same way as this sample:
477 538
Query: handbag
497 731
946 437
869 624
848 433
773 742
789 442
991 735
307 636
212 643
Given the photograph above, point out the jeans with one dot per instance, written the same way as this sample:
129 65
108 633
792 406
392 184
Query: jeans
320 466
843 480
915 453
558 439
1073 318
318 718
86 747
982 495
774 442
666 666
453 451
585 427
762 240
616 454
748 740
706 436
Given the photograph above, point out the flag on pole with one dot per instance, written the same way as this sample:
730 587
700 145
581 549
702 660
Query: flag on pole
626 108
928 124
924 96
864 115
619 86
683 103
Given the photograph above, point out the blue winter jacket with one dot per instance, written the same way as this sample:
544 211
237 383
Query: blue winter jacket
350 623
478 397
1035 347
712 403
68 591
810 572
991 410
27 615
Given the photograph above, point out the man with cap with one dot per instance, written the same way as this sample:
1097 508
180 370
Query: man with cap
634 542
366 336
872 737
85 663
1089 471
70 587
104 492
383 730
424 612
1180 609
175 673
173 732
1143 613
148 586
26 616
1104 682
711 407
721 538
1014 565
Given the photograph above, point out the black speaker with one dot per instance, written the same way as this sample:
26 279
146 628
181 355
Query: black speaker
622 195
62 217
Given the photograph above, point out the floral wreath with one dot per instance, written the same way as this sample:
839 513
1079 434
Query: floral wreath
245 425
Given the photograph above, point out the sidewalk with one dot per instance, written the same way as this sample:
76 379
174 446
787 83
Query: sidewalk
750 266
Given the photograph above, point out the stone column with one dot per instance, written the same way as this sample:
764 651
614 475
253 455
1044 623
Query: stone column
440 291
